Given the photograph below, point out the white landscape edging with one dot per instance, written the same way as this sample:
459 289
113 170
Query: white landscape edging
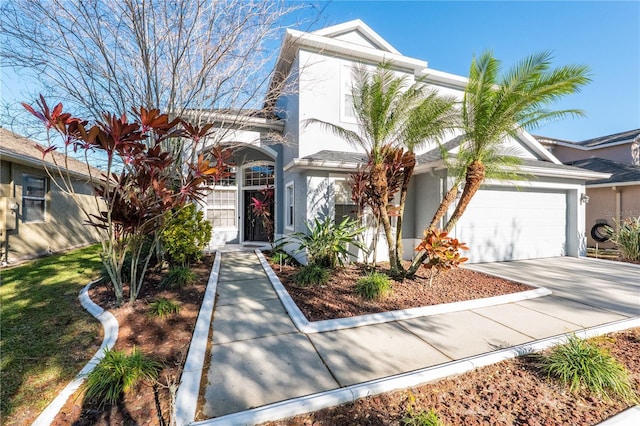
318 401
307 327
110 327
189 388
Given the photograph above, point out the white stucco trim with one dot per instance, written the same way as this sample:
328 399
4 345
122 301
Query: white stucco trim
357 25
537 147
583 174
613 184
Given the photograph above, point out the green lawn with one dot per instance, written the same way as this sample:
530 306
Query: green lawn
46 336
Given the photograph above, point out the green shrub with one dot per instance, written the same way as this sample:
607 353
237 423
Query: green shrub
423 418
627 238
326 243
117 373
185 235
311 274
162 308
581 364
281 257
373 286
178 277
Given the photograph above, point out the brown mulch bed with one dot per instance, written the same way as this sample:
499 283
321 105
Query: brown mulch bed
165 340
511 392
337 299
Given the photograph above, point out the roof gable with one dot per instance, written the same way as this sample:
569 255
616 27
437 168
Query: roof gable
359 33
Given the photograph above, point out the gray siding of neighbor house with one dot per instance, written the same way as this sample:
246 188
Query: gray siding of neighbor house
64 222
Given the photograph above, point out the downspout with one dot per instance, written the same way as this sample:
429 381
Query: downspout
618 212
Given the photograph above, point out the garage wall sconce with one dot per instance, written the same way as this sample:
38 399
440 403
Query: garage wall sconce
584 198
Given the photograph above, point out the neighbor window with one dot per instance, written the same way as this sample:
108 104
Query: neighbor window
221 208
34 191
289 203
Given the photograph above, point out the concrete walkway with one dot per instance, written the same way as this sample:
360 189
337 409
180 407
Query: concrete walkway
258 357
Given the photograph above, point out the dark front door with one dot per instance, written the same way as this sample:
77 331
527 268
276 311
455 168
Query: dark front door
254 229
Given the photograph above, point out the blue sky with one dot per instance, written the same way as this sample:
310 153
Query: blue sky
604 35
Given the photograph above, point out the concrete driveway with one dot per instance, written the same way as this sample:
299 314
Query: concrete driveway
614 286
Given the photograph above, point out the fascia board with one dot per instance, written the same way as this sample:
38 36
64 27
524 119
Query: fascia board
323 44
321 165
538 148
561 173
612 184
429 75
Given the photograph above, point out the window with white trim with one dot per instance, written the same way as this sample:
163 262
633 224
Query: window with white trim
259 175
34 191
344 206
222 207
289 203
347 111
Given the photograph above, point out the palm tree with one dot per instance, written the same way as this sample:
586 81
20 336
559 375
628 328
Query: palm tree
495 109
392 114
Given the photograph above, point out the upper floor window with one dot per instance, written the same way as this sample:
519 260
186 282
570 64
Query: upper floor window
347 111
259 175
34 191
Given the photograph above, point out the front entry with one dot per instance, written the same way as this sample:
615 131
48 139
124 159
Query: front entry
254 229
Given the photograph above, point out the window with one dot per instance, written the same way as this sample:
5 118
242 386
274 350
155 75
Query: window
347 110
259 175
221 208
289 203
229 180
344 206
34 190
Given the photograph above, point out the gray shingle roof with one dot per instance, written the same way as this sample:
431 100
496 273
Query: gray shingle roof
431 156
338 156
616 137
598 142
620 172
15 146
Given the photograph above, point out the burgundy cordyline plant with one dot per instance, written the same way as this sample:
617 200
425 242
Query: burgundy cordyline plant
138 188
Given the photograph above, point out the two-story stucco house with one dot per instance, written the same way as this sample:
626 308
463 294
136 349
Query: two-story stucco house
539 217
613 199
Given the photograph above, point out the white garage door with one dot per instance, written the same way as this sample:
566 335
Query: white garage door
504 224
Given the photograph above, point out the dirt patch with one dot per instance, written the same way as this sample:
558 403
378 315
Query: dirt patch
511 392
165 340
337 299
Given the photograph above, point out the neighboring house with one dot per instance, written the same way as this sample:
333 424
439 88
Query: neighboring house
616 198
36 217
539 217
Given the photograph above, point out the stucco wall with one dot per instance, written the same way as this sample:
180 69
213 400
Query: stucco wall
603 204
64 225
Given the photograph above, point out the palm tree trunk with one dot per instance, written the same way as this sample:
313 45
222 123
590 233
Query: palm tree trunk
408 172
473 179
448 199
379 184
